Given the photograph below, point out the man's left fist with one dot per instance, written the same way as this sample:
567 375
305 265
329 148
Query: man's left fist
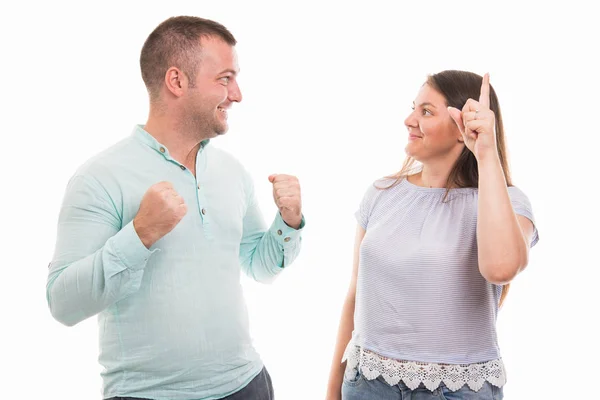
286 193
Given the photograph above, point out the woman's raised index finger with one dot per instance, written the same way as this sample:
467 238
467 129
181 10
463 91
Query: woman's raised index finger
484 96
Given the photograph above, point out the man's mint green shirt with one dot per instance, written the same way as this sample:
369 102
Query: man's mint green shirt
172 319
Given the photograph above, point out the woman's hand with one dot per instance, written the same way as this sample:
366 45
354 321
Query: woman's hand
477 123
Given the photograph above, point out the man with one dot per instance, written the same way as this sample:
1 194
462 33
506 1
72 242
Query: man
153 231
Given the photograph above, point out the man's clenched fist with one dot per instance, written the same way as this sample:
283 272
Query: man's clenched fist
160 211
286 193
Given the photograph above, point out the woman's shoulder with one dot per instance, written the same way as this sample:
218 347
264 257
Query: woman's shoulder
381 185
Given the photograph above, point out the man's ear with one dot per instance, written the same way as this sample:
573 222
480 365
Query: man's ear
176 81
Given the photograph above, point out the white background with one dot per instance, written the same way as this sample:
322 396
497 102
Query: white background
326 89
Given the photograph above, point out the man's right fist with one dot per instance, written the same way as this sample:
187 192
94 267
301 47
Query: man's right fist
160 211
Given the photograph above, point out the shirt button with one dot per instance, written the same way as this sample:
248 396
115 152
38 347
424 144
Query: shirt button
287 239
198 186
279 232
182 167
203 211
162 149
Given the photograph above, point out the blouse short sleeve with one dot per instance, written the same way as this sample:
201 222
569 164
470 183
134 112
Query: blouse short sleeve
367 203
522 206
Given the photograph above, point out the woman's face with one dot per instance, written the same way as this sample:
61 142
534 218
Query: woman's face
432 133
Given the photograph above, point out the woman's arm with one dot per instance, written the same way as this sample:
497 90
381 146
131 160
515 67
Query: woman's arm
503 237
336 374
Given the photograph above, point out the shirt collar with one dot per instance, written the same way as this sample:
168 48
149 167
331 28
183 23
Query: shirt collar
140 134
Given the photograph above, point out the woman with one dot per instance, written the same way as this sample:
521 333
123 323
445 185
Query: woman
436 247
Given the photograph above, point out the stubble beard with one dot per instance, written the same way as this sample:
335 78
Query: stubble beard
205 125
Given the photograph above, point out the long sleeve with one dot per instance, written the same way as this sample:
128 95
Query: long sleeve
264 253
96 262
